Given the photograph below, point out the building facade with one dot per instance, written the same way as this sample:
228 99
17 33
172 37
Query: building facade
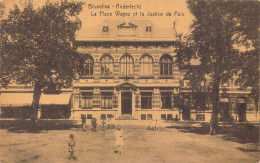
129 72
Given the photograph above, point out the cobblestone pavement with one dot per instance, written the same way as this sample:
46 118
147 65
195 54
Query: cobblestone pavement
141 145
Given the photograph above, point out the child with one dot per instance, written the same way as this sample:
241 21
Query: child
71 144
119 140
156 126
94 124
104 124
109 123
152 124
112 122
149 126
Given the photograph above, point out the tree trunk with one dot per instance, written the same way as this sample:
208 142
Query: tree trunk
256 100
255 94
215 106
216 80
35 103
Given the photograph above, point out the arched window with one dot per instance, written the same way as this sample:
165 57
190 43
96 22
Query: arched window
88 66
166 65
107 65
146 65
126 65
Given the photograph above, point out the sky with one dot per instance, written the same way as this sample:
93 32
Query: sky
178 9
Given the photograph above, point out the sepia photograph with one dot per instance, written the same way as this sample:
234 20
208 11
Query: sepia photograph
129 81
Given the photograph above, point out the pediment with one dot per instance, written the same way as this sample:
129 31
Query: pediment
127 25
126 86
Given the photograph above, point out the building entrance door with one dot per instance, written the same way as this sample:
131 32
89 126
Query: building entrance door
186 109
241 111
126 102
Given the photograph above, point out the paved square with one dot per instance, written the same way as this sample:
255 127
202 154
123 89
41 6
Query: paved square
141 145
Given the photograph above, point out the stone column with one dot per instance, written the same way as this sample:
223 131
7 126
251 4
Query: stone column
76 97
115 99
96 72
117 69
75 101
156 102
136 72
137 98
96 98
175 97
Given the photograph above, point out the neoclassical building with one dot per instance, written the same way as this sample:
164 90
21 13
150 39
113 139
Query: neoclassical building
130 72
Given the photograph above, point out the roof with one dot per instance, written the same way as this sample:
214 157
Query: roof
119 30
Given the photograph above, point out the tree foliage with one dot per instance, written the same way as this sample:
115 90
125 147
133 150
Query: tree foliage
37 45
224 37
248 38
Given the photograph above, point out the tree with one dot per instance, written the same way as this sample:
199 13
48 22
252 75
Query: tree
37 46
248 38
1 10
212 41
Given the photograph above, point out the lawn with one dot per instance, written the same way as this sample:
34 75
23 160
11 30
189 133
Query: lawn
168 144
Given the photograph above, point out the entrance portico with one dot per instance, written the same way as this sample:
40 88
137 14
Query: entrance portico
126 91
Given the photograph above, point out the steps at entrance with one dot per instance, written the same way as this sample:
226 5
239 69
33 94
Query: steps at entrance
126 117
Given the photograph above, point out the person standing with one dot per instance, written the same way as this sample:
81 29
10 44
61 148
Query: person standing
119 140
103 124
149 125
71 145
112 122
94 124
108 122
83 119
156 126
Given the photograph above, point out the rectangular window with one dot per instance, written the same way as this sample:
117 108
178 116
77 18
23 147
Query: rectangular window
149 116
186 83
103 116
250 101
166 100
86 102
176 101
165 69
89 116
163 116
143 116
110 116
88 66
148 29
169 116
106 100
146 100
